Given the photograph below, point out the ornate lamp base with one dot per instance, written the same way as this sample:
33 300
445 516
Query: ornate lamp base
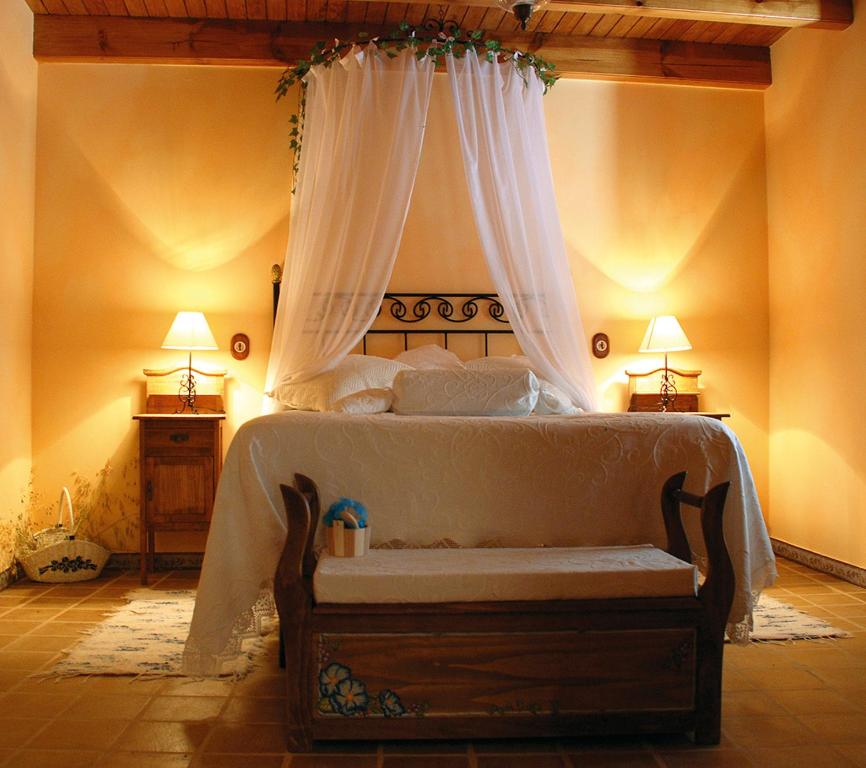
186 393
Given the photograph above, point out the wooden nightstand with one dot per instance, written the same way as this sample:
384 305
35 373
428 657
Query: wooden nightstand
180 457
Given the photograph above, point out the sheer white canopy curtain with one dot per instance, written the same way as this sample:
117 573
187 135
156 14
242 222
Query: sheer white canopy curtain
364 126
503 139
363 133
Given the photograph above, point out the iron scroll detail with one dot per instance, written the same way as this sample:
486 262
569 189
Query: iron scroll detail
453 308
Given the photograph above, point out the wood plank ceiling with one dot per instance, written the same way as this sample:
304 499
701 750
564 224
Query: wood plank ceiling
704 42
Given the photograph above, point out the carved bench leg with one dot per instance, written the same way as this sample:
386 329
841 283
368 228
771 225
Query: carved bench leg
294 597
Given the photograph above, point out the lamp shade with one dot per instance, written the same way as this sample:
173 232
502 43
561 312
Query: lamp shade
664 334
189 331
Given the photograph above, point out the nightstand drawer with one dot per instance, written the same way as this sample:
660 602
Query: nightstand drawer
182 438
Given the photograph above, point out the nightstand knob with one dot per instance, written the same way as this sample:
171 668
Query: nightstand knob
148 490
179 437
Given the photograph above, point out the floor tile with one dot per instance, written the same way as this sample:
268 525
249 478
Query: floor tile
837 729
96 734
44 758
185 687
254 710
815 702
44 643
856 753
43 706
777 731
96 706
162 737
16 732
183 708
723 758
800 757
244 738
145 760
26 660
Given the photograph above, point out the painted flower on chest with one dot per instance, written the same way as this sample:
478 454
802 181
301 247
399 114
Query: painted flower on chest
391 704
331 677
351 697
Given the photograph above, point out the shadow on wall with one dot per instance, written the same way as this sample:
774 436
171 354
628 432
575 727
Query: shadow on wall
662 199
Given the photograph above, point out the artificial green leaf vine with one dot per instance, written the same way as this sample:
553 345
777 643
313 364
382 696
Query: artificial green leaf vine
436 46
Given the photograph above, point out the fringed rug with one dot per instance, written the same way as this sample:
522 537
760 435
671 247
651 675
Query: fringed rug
144 638
775 620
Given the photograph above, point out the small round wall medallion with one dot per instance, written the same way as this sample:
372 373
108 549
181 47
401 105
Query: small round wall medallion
240 346
600 345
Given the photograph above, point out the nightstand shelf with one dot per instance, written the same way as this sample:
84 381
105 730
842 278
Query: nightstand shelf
181 458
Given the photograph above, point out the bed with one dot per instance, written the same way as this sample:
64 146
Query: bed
552 480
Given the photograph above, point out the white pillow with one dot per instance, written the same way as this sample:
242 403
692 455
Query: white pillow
460 392
365 401
429 357
354 374
551 399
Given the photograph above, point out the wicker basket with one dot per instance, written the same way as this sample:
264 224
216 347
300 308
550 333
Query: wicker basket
58 557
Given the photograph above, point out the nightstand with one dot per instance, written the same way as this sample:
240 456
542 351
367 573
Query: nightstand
180 458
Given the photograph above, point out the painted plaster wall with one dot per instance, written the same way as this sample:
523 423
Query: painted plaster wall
816 181
18 82
167 188
158 189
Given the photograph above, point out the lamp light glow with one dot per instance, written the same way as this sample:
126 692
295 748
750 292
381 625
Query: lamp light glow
189 332
665 334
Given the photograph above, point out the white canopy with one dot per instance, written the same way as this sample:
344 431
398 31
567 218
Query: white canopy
363 132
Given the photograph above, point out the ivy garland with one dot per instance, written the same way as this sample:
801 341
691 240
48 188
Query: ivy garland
434 47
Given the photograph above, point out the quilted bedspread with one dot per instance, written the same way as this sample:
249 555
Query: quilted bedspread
585 480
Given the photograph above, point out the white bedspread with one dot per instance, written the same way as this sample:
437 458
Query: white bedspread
589 480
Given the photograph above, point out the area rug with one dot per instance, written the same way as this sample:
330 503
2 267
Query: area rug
774 620
144 638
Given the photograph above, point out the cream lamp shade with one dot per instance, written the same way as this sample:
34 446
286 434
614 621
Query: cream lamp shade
189 331
665 334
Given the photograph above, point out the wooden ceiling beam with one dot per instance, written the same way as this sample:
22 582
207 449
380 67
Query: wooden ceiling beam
262 43
821 14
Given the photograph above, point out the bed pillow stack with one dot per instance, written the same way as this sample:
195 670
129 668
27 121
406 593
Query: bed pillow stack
358 384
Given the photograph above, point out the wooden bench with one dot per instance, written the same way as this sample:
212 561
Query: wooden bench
529 668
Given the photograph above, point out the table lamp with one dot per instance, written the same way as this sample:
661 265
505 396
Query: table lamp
665 334
189 332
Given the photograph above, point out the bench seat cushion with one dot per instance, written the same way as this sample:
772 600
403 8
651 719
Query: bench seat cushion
473 575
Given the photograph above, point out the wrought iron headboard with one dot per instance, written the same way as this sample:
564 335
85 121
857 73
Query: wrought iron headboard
453 309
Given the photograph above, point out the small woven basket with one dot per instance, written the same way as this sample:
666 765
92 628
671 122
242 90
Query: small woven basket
58 557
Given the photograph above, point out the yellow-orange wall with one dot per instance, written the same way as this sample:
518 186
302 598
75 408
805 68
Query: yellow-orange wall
163 188
158 189
816 182
18 81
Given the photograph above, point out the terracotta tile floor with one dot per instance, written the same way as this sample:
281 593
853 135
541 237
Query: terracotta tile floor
795 704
